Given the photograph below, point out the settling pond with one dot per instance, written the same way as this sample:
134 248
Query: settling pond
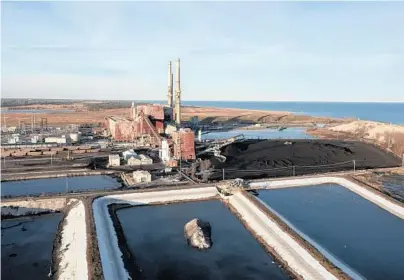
268 133
26 246
58 185
358 233
155 236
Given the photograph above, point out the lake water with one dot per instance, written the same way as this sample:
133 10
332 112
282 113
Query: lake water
58 185
26 246
375 111
362 235
383 112
269 133
155 235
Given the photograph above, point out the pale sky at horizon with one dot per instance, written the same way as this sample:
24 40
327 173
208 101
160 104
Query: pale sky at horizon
289 51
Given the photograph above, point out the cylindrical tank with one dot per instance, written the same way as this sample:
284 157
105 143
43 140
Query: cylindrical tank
75 137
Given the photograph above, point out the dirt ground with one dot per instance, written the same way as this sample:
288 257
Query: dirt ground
81 115
272 158
388 137
388 183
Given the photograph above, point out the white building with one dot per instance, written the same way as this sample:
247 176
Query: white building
139 160
141 176
114 160
59 140
128 154
14 139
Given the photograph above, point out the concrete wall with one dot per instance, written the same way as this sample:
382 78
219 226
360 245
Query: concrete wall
32 206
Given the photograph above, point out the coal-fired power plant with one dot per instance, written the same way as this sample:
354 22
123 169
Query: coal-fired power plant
157 125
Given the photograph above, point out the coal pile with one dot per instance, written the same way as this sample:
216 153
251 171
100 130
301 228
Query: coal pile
276 158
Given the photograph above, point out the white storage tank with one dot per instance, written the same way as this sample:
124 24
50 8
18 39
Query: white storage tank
75 137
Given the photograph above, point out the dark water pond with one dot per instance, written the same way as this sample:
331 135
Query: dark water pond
269 133
58 185
362 235
155 235
26 246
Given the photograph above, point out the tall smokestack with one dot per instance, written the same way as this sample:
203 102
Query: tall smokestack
177 93
170 85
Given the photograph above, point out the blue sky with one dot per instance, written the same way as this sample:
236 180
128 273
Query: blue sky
303 51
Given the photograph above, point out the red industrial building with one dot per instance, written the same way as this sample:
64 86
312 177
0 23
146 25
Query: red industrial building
145 120
184 144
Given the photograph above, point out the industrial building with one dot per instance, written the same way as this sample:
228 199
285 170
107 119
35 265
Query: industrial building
141 176
157 125
114 160
139 160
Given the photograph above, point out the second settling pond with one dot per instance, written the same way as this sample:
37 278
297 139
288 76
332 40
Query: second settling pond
357 232
155 236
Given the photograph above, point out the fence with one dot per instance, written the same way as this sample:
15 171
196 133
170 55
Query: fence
293 170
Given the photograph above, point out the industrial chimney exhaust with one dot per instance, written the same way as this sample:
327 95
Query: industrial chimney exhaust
177 94
170 85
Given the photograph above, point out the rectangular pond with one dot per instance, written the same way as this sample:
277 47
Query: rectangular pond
155 236
268 133
57 185
26 246
358 233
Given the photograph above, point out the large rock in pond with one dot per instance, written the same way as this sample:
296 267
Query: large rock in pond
198 234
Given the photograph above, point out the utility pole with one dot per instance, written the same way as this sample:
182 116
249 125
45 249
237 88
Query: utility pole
294 170
223 173
354 166
67 185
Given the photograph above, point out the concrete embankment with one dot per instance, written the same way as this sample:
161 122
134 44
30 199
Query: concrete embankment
297 258
111 256
32 206
72 253
53 174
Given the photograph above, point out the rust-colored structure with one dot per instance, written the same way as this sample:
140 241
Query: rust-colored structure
154 111
184 144
148 120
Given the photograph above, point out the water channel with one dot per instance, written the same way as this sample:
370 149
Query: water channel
355 231
268 133
26 246
155 235
57 185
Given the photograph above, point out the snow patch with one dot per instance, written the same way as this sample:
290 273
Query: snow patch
73 249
